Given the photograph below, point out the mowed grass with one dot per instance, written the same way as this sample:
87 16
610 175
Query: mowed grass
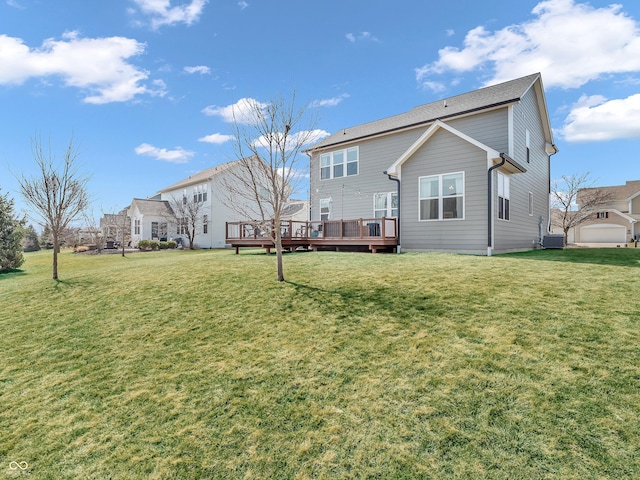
200 365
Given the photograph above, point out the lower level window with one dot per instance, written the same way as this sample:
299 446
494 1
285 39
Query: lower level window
503 196
385 205
325 209
441 197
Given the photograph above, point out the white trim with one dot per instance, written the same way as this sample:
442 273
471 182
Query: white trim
510 130
395 167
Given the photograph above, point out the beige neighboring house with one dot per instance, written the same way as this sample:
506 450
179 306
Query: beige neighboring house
612 224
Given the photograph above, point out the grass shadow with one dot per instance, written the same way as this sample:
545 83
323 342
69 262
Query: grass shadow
618 257
14 272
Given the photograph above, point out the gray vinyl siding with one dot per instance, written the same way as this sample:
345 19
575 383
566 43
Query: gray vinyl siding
522 230
352 197
446 153
489 128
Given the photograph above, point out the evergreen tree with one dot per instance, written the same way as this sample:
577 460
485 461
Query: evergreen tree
31 241
11 234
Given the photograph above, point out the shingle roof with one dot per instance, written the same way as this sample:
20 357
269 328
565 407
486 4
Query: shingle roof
481 99
202 176
157 208
617 192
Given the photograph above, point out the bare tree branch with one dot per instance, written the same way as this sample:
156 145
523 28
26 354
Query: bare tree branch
268 172
576 190
58 194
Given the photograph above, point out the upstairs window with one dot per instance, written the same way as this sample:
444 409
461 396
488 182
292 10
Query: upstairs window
341 163
527 141
602 215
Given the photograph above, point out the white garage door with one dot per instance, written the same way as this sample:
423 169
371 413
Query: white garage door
603 234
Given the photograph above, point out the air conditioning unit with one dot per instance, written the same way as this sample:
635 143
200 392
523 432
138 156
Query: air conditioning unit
553 241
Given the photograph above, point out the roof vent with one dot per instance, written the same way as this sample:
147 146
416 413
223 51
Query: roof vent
444 103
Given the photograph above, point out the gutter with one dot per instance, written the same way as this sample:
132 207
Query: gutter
490 203
395 179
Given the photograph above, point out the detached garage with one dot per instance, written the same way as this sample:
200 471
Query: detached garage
603 233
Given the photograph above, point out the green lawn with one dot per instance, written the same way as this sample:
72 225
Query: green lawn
200 365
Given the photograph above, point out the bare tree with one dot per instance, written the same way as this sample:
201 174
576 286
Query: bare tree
116 226
58 194
573 191
189 215
269 143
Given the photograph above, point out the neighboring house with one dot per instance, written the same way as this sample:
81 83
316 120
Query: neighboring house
613 223
155 218
296 210
116 227
471 173
151 220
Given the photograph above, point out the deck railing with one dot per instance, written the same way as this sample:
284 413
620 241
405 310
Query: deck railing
362 228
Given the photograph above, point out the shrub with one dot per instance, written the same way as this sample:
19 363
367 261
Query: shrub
163 245
154 245
172 244
144 244
82 249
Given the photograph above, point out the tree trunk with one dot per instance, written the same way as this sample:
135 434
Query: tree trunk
278 242
56 248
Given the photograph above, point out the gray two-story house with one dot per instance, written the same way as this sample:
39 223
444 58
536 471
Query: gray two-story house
467 174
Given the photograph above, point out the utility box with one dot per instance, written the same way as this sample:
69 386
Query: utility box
553 241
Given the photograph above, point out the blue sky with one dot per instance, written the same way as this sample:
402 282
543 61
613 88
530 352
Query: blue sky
143 85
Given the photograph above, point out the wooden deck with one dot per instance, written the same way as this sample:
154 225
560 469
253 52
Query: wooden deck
372 234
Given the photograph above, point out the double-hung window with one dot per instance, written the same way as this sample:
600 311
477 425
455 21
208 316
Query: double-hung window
325 209
341 163
441 197
136 227
503 196
385 204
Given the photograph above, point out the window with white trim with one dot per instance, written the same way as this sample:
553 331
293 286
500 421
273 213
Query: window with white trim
325 209
341 163
441 197
504 196
205 224
602 215
136 227
385 204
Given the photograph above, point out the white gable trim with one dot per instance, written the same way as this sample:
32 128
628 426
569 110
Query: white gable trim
394 169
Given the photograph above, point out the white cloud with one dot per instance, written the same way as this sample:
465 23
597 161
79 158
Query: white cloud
301 138
240 112
329 102
178 155
362 36
597 119
201 69
97 65
15 4
162 13
570 43
216 138
243 5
